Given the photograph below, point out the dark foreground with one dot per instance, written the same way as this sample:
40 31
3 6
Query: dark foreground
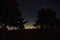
29 35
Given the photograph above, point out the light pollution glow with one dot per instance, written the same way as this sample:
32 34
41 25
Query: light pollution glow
26 27
29 27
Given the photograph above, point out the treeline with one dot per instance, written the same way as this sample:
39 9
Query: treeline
47 19
10 15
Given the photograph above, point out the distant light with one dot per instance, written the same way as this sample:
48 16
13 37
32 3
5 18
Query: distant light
30 27
15 28
10 28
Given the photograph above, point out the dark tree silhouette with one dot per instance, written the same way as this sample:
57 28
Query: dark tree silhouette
46 18
51 16
20 21
10 14
57 24
41 19
3 16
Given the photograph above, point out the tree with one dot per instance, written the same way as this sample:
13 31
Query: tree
3 20
10 15
41 19
57 24
45 18
18 21
51 18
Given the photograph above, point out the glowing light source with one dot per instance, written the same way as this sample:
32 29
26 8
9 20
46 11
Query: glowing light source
30 27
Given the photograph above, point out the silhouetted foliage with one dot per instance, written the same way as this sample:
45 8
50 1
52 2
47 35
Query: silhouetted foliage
46 18
11 16
20 21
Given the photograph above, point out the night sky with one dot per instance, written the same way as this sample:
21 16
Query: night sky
29 8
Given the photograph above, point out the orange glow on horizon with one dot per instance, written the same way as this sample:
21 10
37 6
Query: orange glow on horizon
29 27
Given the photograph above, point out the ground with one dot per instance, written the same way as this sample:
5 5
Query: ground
28 35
